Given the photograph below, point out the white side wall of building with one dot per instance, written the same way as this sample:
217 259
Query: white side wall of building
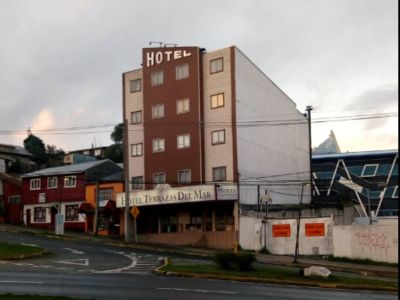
268 151
378 242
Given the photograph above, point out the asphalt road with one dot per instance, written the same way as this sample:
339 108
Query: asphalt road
90 269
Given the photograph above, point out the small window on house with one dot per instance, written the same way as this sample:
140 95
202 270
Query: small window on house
71 213
52 182
183 141
97 152
216 65
157 78
158 145
105 194
157 111
136 117
69 181
182 71
184 176
15 199
219 174
136 85
35 184
369 170
217 100
218 137
137 183
137 149
182 106
158 178
39 214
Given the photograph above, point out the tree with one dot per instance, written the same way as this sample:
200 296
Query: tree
36 147
114 152
55 156
118 134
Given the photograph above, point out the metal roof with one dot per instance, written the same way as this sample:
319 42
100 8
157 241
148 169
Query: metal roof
374 153
69 169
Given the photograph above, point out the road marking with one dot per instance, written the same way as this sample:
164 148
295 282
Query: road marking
21 282
32 245
79 262
131 256
74 251
198 291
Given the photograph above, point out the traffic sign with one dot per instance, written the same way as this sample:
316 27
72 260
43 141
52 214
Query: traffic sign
135 211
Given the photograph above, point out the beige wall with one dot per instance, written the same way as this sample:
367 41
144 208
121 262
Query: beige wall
219 118
134 102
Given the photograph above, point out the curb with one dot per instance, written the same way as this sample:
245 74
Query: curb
270 281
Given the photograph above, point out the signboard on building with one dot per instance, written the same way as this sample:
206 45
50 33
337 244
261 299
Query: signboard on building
315 229
281 230
167 195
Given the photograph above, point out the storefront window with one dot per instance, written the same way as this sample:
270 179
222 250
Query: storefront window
168 224
224 220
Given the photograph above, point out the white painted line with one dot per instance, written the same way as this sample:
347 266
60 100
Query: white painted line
197 291
79 262
74 251
32 245
119 270
21 282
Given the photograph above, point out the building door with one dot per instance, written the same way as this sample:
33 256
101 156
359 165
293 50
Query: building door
28 217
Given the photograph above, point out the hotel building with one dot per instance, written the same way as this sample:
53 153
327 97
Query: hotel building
208 134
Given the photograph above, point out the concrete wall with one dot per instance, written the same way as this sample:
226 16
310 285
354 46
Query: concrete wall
265 150
253 234
378 242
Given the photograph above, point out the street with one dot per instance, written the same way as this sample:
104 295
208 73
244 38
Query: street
90 269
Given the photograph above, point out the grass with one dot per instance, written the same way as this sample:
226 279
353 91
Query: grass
8 251
281 275
31 297
361 261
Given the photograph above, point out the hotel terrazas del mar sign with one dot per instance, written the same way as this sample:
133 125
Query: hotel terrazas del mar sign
158 57
164 194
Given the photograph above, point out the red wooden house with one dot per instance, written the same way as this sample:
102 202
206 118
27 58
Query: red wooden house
61 190
10 199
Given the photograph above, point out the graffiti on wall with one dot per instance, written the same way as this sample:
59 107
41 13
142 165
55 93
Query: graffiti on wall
373 242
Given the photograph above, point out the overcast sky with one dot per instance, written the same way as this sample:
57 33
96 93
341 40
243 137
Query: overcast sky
61 61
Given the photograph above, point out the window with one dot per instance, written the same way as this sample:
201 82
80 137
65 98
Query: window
183 141
219 174
52 182
137 183
182 106
157 78
218 137
157 111
71 212
136 117
395 192
136 85
182 71
35 184
217 100
105 194
70 181
158 145
137 149
97 152
39 214
216 65
369 170
16 199
223 219
158 178
184 176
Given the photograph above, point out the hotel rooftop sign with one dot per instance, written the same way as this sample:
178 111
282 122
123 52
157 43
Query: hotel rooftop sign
164 194
158 57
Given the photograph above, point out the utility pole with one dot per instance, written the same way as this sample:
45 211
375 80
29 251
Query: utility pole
296 250
126 175
96 208
309 109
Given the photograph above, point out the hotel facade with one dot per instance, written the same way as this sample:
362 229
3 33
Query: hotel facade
208 134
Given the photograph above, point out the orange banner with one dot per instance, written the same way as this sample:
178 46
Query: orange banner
281 230
315 229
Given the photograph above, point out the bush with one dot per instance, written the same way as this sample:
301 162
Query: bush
225 260
229 260
245 260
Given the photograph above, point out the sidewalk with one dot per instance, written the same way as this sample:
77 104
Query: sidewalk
364 269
